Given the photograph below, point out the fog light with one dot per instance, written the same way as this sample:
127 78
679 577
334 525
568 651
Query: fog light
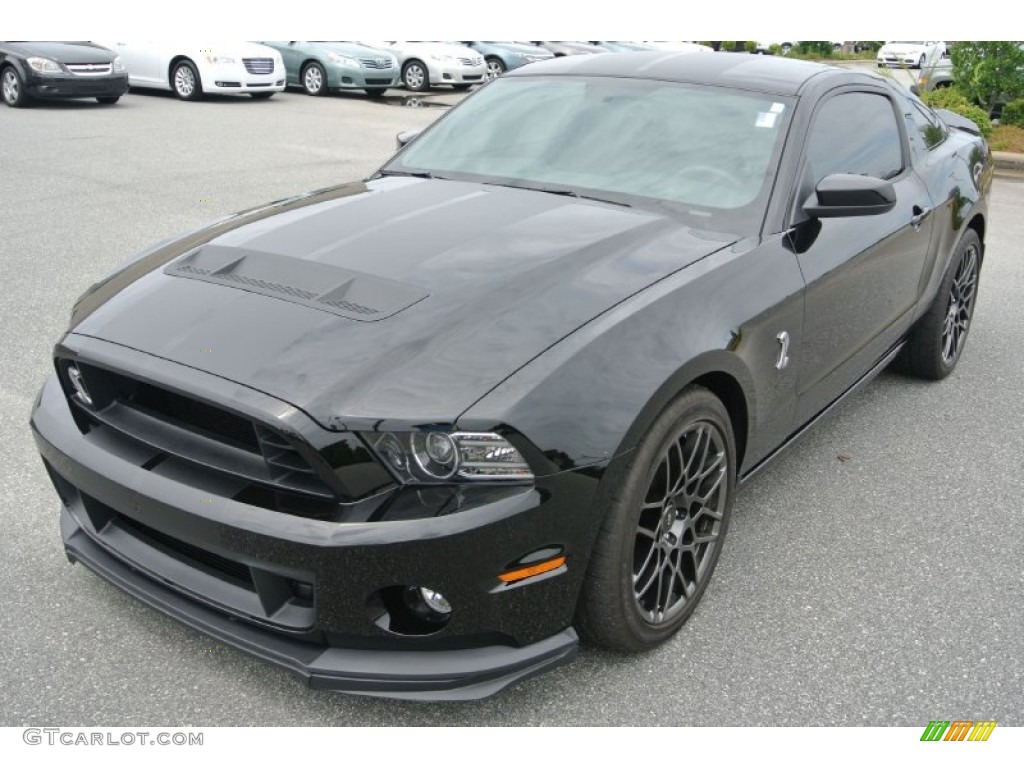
428 604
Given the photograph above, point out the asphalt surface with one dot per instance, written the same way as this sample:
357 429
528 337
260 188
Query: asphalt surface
873 574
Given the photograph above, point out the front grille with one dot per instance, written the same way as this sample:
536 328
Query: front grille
200 433
90 70
377 63
197 415
467 62
378 81
258 66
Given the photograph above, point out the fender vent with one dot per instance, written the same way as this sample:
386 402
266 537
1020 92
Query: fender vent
355 295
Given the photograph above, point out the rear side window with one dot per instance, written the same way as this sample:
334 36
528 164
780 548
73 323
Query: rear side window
929 127
855 133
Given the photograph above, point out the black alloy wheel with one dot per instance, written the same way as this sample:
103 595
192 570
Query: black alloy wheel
664 528
937 341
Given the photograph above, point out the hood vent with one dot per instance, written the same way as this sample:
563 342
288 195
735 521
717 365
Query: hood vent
355 295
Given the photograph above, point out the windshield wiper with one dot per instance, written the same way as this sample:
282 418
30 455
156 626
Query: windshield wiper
564 191
414 174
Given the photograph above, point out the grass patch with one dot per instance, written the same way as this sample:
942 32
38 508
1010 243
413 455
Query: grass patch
1007 138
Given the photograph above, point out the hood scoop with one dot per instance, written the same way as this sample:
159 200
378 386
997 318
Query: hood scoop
344 292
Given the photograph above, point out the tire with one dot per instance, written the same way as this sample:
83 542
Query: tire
262 95
653 559
314 79
937 340
375 92
185 81
495 67
13 88
415 75
107 99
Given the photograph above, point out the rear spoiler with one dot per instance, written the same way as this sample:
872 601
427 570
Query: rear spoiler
953 120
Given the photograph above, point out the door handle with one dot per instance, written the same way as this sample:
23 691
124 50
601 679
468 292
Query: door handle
920 214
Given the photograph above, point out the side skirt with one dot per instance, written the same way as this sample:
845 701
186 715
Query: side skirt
872 372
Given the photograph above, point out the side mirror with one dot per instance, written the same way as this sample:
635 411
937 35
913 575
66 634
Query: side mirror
405 137
845 194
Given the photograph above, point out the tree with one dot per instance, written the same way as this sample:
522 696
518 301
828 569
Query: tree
989 72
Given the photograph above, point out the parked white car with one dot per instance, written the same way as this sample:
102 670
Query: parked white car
910 53
677 46
427 64
192 69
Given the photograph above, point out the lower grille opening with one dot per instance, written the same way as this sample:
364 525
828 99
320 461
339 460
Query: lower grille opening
291 504
230 569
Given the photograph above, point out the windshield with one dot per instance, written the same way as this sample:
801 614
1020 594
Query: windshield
708 154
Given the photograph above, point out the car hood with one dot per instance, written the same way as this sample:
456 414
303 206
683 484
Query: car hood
72 53
401 299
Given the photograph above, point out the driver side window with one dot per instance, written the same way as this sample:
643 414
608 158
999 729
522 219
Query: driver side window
855 133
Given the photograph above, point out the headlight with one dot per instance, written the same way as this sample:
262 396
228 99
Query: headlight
214 59
345 61
43 65
431 457
119 65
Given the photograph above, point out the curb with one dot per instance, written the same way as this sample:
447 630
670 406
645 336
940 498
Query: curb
1008 164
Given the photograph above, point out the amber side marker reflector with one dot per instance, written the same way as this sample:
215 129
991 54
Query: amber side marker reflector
532 570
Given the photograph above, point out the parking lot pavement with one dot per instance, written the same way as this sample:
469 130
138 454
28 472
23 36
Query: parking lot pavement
872 574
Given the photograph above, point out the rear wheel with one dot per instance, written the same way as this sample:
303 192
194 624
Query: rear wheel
937 341
664 525
13 88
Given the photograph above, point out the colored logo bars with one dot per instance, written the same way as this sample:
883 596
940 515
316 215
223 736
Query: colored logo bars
958 730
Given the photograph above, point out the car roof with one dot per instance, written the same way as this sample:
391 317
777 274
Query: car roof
771 74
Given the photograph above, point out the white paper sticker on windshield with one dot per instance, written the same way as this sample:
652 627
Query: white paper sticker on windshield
765 119
777 108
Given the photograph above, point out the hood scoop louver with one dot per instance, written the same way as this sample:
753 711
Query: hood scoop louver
344 292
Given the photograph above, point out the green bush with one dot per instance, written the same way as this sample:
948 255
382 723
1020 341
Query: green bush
775 49
989 71
817 47
955 101
1013 113
750 46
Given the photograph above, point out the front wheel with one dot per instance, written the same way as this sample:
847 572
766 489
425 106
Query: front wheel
664 525
185 81
314 79
13 88
495 67
937 341
415 75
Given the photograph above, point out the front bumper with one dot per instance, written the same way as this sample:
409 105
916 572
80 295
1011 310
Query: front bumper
447 74
342 77
235 78
75 86
221 566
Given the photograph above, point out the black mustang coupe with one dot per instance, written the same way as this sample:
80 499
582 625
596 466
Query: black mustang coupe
41 70
408 436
